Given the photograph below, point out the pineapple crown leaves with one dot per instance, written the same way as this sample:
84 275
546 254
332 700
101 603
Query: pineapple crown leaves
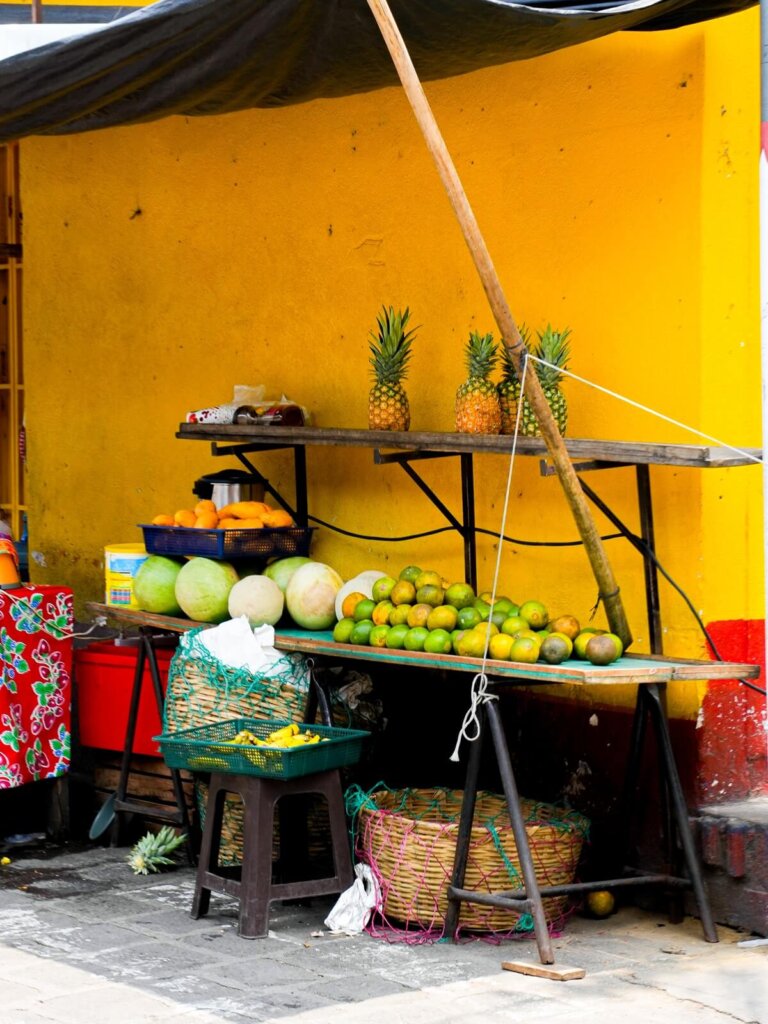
152 851
391 348
553 348
507 366
480 355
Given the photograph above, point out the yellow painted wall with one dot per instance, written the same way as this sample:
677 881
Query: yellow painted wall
616 187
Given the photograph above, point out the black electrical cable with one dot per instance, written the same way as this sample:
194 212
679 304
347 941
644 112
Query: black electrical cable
451 529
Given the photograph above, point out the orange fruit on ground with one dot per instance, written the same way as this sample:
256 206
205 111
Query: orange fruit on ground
204 506
185 517
163 520
349 604
207 520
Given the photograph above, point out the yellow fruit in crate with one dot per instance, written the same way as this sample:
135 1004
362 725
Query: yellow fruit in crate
229 523
185 517
207 521
277 518
163 520
204 506
252 524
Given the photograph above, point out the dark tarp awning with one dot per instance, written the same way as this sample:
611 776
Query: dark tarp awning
216 56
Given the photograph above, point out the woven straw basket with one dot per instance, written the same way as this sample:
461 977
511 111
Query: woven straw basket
198 693
193 699
410 840
231 843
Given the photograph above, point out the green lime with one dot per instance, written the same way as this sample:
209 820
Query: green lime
342 630
410 573
460 595
503 604
378 636
534 613
513 625
399 614
361 632
383 588
364 609
483 607
468 617
438 641
396 637
415 638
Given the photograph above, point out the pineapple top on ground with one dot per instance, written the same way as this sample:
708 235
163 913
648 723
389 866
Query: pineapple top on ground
390 353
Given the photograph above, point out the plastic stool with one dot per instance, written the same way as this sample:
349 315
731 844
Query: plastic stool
252 883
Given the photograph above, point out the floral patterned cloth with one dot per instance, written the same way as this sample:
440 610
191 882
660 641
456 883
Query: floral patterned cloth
35 683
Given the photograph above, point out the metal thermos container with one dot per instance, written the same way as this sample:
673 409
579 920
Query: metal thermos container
229 485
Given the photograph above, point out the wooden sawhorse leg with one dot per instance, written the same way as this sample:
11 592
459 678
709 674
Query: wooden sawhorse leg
531 903
651 707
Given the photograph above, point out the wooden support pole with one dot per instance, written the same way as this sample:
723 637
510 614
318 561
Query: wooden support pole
607 586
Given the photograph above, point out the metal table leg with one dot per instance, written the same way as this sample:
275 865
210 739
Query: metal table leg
531 901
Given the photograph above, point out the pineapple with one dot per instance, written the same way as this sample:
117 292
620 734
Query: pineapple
509 386
390 351
553 347
477 403
152 850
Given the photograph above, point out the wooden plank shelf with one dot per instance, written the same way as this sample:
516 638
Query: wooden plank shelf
630 453
631 669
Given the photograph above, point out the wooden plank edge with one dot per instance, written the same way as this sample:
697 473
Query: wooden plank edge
550 971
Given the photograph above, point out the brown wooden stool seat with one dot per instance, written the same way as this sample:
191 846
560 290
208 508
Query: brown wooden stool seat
252 883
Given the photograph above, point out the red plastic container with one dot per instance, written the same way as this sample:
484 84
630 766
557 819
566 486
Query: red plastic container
103 674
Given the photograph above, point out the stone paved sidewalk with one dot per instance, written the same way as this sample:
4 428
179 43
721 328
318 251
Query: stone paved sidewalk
84 940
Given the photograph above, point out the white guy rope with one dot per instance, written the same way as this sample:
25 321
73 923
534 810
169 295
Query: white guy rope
645 408
479 690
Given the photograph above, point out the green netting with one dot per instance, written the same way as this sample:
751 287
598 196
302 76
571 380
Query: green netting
202 690
408 837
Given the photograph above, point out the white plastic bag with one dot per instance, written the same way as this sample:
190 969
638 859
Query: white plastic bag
353 909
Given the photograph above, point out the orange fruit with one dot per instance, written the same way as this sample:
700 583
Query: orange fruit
403 592
419 614
277 518
251 524
349 604
430 594
204 506
471 644
163 520
381 613
185 517
229 523
534 613
444 617
525 649
207 520
500 647
567 624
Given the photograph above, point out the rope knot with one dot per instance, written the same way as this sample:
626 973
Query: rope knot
478 695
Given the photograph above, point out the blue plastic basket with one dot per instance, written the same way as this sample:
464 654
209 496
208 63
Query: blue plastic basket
253 543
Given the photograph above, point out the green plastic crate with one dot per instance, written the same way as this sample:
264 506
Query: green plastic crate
204 749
